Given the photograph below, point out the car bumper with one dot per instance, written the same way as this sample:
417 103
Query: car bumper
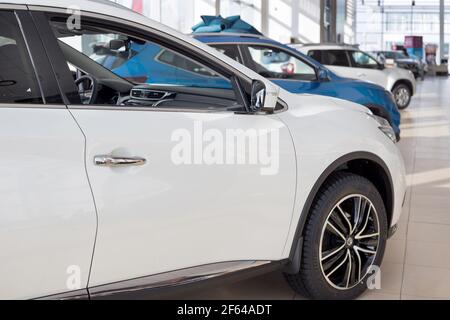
392 231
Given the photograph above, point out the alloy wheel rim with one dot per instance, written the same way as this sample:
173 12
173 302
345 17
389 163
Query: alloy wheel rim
349 242
402 97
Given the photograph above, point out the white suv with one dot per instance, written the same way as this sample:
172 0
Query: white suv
348 61
125 177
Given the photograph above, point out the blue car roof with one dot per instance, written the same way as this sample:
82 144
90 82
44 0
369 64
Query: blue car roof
224 38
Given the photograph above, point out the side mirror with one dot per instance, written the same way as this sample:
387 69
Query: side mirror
323 75
258 97
116 45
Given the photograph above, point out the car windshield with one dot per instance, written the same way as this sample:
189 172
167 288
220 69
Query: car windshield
271 62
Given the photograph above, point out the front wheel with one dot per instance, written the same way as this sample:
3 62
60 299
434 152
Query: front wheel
344 241
402 94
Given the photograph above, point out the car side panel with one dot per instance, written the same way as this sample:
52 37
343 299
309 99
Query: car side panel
48 219
168 215
318 146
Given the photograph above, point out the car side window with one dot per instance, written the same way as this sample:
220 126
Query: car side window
18 82
363 60
231 51
276 63
336 58
138 61
316 55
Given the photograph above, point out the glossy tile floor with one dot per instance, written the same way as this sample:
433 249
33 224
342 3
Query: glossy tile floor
417 260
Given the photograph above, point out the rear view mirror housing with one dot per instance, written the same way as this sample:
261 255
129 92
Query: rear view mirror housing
258 96
323 75
116 45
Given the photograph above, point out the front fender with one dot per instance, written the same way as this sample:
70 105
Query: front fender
322 135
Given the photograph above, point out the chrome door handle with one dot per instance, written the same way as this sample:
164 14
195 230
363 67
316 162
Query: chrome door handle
112 161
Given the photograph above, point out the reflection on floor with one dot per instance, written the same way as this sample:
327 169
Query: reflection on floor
417 261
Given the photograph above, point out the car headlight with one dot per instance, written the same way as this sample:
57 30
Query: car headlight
385 127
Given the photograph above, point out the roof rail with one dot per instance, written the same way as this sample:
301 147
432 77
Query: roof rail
329 44
227 34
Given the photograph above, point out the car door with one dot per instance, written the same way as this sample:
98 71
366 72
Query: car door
186 191
337 61
47 213
367 68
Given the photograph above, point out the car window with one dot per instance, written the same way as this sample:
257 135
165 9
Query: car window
140 61
330 57
400 55
231 51
275 63
18 83
173 59
363 60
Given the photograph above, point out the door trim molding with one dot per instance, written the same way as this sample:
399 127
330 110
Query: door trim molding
175 278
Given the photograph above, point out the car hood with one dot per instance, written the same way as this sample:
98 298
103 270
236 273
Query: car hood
360 83
301 87
317 104
407 61
397 72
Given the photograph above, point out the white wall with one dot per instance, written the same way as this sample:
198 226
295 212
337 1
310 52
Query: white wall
294 18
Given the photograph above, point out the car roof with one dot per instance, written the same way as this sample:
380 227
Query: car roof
324 47
229 34
225 38
222 37
86 5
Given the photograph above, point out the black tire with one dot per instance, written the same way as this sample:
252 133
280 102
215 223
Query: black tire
311 281
402 95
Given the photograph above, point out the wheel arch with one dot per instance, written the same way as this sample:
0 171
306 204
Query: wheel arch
365 164
405 82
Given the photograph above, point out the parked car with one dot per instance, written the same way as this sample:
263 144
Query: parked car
298 73
402 60
113 187
348 61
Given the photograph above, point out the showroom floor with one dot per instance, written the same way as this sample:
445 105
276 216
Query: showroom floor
417 261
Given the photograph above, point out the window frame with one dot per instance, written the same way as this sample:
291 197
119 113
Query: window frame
240 82
237 46
250 63
355 65
350 65
44 76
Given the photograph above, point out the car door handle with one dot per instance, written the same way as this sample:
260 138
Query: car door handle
361 75
112 161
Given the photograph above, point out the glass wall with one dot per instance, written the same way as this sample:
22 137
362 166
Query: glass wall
178 14
380 24
249 10
281 19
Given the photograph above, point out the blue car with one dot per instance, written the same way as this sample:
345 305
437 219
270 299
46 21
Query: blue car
154 64
297 73
290 69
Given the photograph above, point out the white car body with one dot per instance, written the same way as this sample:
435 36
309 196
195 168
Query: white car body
387 78
63 215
